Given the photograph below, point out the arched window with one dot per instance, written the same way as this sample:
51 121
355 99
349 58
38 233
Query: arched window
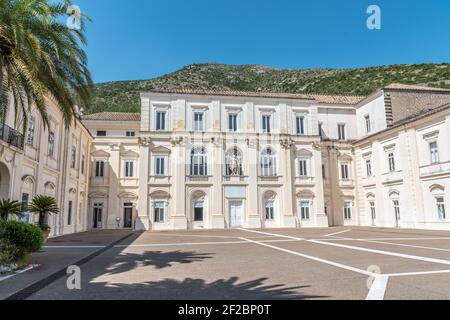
268 163
234 162
199 159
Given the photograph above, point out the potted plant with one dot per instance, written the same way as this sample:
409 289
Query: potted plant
43 205
10 207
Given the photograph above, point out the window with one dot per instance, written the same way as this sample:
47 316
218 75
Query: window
268 163
99 168
324 172
345 172
130 133
31 129
198 121
342 132
101 133
300 125
160 121
69 213
368 168
24 201
305 207
232 122
129 168
266 124
198 210
368 125
234 162
270 210
160 208
397 209
303 168
391 159
373 211
160 166
434 152
83 163
199 166
440 208
348 210
51 143
73 157
321 134
97 215
325 208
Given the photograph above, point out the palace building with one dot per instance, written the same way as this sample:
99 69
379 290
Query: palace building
211 159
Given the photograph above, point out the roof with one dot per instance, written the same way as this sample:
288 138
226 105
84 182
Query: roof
399 86
112 116
334 99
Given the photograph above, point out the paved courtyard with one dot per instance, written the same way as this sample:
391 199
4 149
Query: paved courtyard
334 263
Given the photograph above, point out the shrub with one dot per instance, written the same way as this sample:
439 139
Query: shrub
10 253
25 236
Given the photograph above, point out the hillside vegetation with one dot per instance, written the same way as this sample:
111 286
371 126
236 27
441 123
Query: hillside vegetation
123 96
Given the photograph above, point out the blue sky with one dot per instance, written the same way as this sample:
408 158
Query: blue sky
142 39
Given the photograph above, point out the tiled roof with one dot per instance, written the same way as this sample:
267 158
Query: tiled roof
234 93
329 99
399 86
112 116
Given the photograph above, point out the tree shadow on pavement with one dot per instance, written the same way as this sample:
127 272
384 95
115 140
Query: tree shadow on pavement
159 259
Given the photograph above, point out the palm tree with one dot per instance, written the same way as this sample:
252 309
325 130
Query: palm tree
10 207
43 205
42 57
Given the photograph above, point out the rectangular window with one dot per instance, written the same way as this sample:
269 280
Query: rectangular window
160 121
101 133
51 143
300 125
31 129
232 122
342 132
324 172
24 202
325 208
373 211
129 168
368 124
73 158
69 213
270 210
345 172
303 168
199 121
434 152
160 208
305 209
368 168
130 133
266 124
160 166
391 159
99 168
441 208
198 211
397 209
348 211
321 131
83 163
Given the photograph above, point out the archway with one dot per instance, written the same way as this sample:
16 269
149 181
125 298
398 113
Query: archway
5 181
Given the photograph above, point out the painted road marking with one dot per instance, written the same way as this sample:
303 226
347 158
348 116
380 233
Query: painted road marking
272 234
18 272
419 273
336 233
378 288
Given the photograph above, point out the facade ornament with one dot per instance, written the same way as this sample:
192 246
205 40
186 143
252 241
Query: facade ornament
234 166
287 143
316 146
114 146
176 141
144 141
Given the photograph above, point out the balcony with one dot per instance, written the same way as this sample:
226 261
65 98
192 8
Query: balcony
435 169
304 181
11 136
346 183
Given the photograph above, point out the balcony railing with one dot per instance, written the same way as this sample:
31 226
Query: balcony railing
11 136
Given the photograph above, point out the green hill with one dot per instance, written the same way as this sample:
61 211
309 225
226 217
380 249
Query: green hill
123 96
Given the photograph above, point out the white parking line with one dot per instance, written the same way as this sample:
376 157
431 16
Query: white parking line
420 273
332 263
405 245
378 288
18 272
336 233
272 234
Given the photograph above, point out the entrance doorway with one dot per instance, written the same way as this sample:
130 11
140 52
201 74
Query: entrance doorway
236 209
97 216
128 215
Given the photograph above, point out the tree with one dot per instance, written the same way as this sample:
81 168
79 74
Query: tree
10 207
42 57
43 205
